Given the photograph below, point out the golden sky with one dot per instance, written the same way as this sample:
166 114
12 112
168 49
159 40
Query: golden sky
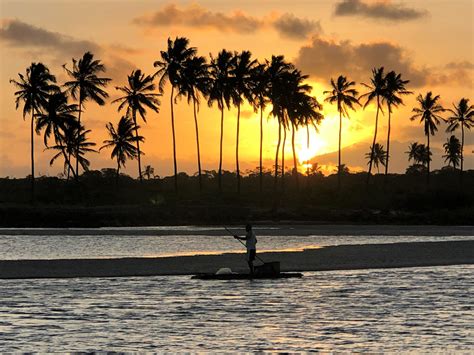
429 41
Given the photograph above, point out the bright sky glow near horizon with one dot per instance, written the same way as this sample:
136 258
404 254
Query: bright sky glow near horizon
429 41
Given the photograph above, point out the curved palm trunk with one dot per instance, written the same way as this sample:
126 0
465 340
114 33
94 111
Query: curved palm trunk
261 149
78 133
462 151
174 141
220 149
388 142
237 149
197 144
276 156
32 158
295 166
339 172
375 139
283 160
134 116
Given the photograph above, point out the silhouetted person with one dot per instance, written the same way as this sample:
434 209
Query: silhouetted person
250 244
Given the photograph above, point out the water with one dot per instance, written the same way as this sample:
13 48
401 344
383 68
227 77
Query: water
412 309
132 244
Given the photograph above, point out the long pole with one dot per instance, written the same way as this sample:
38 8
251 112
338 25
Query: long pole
232 234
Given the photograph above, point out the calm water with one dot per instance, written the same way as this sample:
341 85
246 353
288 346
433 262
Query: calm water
417 309
65 246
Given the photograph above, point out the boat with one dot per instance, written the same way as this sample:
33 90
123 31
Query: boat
234 276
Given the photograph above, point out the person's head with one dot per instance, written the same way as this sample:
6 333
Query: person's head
248 227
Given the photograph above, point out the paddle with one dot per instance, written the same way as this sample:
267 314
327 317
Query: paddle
232 234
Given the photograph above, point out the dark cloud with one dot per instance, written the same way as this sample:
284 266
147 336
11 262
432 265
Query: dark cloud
38 42
325 59
196 16
20 34
290 26
385 10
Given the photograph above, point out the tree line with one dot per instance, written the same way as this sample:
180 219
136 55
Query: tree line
227 80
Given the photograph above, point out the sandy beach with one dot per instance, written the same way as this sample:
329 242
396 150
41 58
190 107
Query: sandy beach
343 257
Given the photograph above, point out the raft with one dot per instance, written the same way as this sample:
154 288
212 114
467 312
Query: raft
281 275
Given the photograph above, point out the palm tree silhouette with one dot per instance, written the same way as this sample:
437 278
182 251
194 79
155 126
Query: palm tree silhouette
241 72
138 96
149 172
220 91
452 148
57 117
376 92
86 85
428 113
259 80
462 116
395 87
418 153
345 96
377 155
195 80
34 89
278 71
122 141
170 67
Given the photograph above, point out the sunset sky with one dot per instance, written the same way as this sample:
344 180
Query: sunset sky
429 41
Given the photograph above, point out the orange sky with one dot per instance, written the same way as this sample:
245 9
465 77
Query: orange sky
430 42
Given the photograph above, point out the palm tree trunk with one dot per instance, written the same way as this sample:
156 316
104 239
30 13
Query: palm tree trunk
78 133
68 161
375 139
134 116
388 142
276 156
174 141
295 166
237 149
339 172
32 158
462 151
220 149
428 163
118 172
197 144
261 149
283 160
68 167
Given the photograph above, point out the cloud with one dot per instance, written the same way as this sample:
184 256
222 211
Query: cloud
196 16
20 34
325 59
39 42
382 10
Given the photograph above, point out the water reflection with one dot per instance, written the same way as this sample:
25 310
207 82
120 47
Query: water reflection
413 309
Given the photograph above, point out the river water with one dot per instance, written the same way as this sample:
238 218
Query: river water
412 309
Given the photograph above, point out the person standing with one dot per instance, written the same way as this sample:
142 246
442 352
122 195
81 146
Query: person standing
251 245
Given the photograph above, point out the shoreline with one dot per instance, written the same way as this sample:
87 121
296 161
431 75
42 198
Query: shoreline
261 228
342 257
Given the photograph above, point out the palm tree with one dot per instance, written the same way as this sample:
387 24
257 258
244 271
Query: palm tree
463 116
33 90
428 113
418 153
56 118
220 91
122 141
243 65
138 96
170 67
345 96
376 92
395 87
195 80
149 172
259 90
452 148
86 84
278 71
377 155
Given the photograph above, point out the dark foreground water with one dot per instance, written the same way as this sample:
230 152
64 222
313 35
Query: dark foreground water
412 309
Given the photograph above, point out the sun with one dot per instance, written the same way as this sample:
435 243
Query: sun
304 152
